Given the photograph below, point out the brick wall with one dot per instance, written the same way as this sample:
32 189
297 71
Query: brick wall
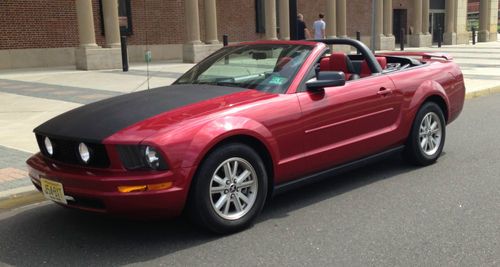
37 24
237 19
162 19
52 23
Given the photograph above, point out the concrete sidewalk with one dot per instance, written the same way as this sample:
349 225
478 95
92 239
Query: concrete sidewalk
28 97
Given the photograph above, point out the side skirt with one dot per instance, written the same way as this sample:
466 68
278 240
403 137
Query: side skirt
313 178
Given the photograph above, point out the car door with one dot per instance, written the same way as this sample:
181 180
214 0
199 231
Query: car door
349 122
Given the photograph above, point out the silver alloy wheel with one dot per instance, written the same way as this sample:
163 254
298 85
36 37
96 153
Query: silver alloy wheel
430 134
233 188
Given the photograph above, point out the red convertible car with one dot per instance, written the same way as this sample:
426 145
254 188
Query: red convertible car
251 120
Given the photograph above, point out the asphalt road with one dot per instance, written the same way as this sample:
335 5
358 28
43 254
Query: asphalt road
388 213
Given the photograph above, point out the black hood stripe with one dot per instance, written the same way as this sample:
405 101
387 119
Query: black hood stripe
97 121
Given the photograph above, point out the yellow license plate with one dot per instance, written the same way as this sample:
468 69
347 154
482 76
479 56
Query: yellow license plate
53 191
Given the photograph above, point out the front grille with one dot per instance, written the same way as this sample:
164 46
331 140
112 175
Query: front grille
66 151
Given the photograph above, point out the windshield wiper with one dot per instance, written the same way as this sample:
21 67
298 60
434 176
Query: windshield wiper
219 83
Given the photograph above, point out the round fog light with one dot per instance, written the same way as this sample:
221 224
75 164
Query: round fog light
48 146
84 152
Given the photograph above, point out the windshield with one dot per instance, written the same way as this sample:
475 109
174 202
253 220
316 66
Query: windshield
266 67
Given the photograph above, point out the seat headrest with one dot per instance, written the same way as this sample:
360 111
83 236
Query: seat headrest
365 69
340 62
382 61
324 64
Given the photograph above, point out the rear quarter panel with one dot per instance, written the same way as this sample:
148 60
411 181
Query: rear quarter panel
435 78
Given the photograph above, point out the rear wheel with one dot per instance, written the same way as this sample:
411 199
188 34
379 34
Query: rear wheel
427 136
229 189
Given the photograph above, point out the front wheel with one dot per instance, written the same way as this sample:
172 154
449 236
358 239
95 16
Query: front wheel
426 140
229 190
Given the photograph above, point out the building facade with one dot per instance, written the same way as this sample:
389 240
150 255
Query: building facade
86 33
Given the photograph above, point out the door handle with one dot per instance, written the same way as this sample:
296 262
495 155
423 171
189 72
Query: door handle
384 91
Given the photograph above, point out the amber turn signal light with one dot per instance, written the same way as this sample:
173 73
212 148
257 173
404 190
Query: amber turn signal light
142 188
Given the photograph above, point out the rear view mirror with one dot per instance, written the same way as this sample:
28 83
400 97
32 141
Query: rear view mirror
259 55
326 79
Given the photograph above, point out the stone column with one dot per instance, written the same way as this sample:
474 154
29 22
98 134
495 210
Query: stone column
331 24
417 17
85 18
270 12
484 21
463 35
193 19
450 36
90 56
341 18
111 23
388 18
425 16
416 39
211 22
488 19
386 40
193 49
379 24
284 20
493 20
427 37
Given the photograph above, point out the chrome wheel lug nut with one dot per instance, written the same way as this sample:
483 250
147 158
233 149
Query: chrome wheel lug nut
226 191
228 182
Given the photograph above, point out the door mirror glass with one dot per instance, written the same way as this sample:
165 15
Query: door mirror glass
326 79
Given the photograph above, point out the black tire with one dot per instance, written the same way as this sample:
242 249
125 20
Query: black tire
414 152
201 206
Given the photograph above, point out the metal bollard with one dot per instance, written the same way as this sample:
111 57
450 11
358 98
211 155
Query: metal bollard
123 40
473 35
225 42
358 36
440 36
402 39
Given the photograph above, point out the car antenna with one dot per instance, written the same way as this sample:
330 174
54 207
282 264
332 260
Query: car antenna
147 56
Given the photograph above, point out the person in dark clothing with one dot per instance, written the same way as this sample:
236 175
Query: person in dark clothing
302 31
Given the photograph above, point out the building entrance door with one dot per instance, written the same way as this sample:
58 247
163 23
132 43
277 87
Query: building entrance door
436 21
399 21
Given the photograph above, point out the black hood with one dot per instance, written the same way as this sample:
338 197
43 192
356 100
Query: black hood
97 121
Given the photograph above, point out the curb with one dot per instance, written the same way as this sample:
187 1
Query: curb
20 197
20 200
482 92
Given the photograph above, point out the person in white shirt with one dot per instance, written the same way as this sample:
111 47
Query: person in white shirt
319 27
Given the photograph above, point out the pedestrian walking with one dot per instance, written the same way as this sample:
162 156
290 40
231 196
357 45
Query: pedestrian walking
319 27
302 30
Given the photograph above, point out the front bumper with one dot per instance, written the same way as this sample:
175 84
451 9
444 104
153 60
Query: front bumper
97 190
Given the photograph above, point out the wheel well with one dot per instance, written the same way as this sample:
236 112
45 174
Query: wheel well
440 102
260 148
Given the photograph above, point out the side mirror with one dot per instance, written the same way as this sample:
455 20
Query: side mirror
326 79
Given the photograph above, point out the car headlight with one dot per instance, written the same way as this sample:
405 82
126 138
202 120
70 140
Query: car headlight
152 157
48 146
84 152
141 157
